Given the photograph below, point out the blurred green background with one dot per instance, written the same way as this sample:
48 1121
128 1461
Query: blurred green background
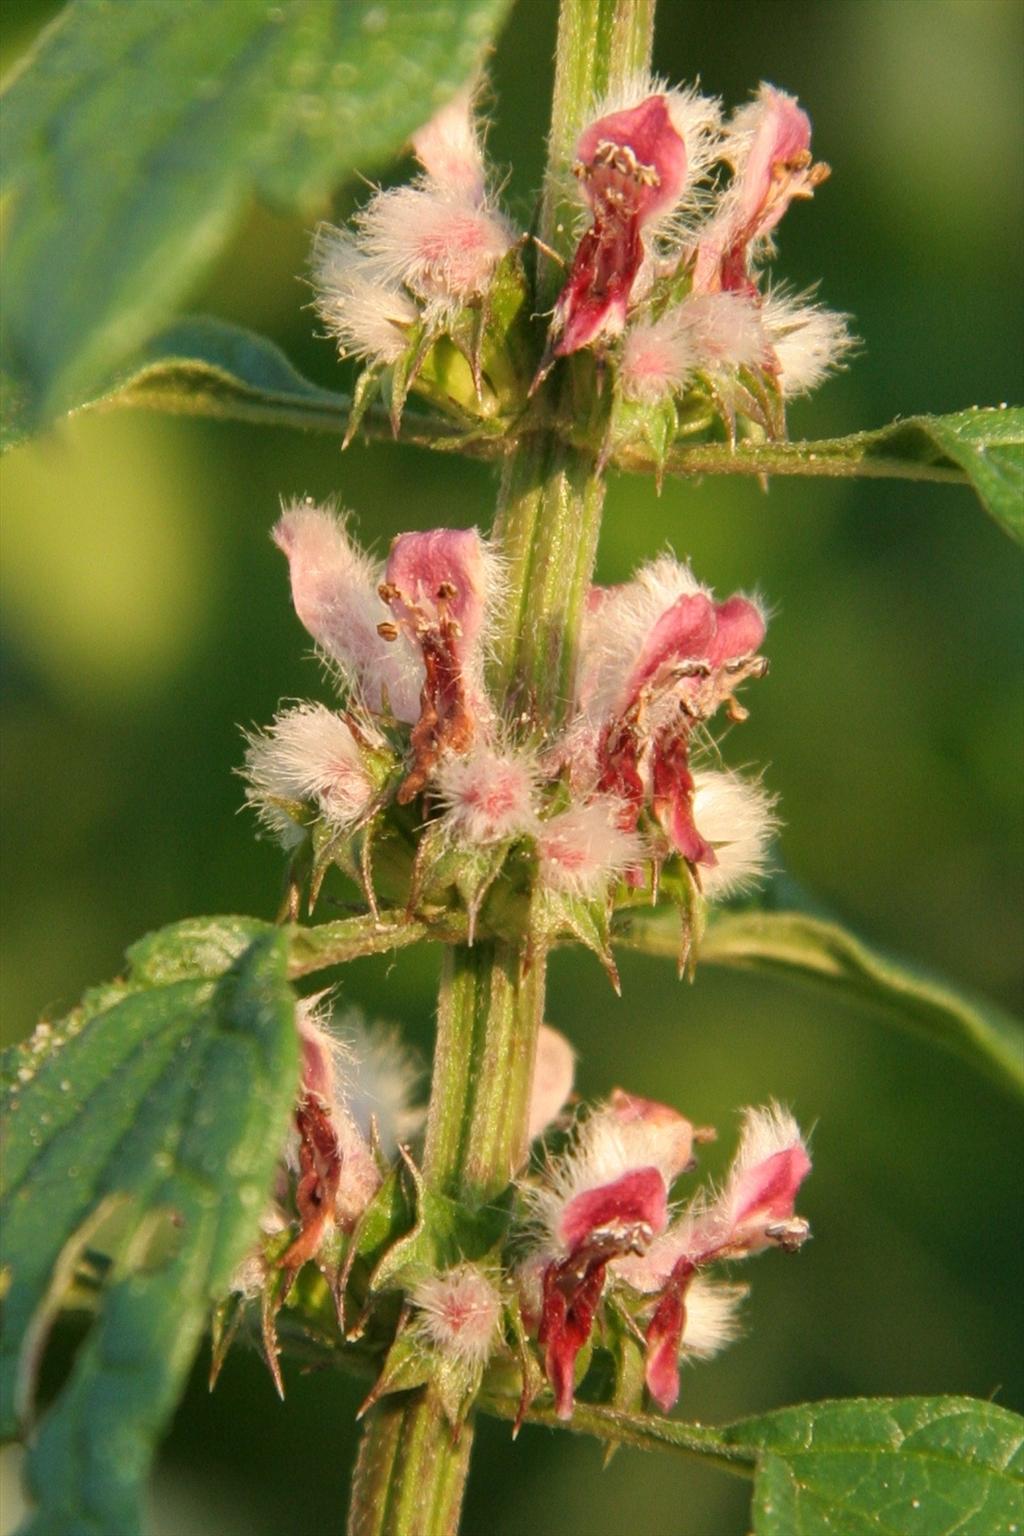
147 618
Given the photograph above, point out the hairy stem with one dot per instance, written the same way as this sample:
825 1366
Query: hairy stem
411 1472
548 521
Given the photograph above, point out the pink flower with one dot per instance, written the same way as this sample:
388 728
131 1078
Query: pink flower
442 248
310 753
334 589
634 166
337 1174
607 1197
661 657
425 663
768 144
438 586
487 795
755 1210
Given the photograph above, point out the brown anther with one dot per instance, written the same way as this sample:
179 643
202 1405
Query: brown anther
387 630
734 709
446 591
387 591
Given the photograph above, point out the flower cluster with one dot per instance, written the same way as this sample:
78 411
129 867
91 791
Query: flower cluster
622 795
596 1249
666 286
604 1236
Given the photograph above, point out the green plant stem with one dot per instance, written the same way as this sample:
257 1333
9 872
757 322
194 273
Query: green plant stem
490 1009
410 1473
548 521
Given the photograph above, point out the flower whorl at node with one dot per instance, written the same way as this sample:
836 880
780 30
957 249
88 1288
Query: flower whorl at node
664 282
614 802
677 214
602 1228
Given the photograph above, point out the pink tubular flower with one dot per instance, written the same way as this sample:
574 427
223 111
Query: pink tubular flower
425 663
755 1210
607 1197
334 589
768 144
338 1174
634 166
438 586
459 1312
661 656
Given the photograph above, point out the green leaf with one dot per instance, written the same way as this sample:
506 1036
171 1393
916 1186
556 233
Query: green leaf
811 949
983 448
887 1467
924 1466
136 131
149 1134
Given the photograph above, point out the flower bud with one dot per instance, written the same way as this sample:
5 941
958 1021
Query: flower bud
554 1068
368 317
582 850
459 1312
309 754
487 795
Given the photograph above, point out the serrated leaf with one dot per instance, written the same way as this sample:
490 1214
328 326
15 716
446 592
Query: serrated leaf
135 132
172 1102
900 1467
924 1466
811 949
982 447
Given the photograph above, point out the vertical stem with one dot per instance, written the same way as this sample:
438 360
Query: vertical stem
549 516
489 1012
410 1473
409 1476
